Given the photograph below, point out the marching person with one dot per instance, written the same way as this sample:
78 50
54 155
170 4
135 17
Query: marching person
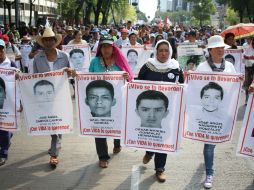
77 38
214 63
51 59
160 68
109 58
5 136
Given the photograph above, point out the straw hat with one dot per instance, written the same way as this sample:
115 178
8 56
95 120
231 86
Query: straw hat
26 38
216 41
48 33
69 28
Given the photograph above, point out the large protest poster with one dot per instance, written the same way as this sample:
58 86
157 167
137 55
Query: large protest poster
47 103
8 109
211 106
246 140
189 56
135 56
235 57
99 104
79 56
153 112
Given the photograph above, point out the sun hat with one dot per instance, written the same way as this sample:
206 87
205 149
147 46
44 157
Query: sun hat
69 28
106 40
216 41
48 33
25 38
2 43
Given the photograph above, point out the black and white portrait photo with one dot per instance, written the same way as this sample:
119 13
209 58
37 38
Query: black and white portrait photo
100 98
152 107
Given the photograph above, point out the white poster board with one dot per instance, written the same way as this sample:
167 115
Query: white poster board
211 106
246 140
235 57
47 103
8 109
153 116
79 56
99 104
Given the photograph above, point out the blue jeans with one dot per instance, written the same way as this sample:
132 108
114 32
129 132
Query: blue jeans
159 160
208 157
5 142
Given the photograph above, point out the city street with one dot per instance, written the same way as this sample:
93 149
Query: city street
28 168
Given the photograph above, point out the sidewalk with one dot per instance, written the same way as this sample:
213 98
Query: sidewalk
28 169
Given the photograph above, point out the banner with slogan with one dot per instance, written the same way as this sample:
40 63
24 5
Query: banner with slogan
246 140
8 109
211 106
135 56
99 104
153 116
235 57
189 56
47 103
79 56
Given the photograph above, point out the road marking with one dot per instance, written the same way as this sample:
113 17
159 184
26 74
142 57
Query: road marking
135 175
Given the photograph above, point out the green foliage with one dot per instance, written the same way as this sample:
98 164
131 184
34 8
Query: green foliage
232 17
202 9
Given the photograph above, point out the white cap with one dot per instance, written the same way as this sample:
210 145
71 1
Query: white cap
216 41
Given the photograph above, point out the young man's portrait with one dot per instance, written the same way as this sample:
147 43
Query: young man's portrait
44 91
100 98
2 93
211 97
152 107
132 56
230 58
77 58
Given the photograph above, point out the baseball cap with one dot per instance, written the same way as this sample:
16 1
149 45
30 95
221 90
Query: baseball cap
5 38
2 43
106 40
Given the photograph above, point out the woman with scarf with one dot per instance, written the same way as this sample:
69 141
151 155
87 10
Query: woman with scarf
160 68
214 63
109 58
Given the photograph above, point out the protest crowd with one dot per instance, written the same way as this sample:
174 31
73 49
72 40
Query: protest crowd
141 54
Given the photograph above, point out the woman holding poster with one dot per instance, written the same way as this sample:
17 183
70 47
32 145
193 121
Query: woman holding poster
108 58
214 63
161 68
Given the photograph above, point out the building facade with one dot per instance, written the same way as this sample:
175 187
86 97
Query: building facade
40 8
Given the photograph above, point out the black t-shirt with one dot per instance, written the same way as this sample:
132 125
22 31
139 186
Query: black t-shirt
150 72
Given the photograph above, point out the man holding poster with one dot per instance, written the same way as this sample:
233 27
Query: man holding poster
215 63
50 59
159 68
5 135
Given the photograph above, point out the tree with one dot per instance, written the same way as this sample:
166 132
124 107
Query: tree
202 9
232 17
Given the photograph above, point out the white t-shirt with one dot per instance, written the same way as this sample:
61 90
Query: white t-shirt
51 65
204 66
